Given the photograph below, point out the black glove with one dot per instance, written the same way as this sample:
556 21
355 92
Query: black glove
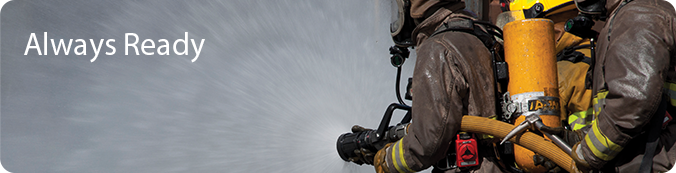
363 155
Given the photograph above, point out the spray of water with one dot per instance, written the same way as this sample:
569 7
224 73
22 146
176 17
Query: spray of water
277 82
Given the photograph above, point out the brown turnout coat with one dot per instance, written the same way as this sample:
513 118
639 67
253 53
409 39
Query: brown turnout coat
452 77
636 56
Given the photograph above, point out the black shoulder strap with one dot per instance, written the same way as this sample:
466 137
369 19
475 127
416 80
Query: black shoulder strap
654 129
489 38
571 54
467 25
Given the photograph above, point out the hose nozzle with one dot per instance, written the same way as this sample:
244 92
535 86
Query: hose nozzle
349 142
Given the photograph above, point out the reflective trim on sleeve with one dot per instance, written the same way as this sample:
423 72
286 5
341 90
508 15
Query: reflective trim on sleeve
599 101
600 145
579 120
398 157
671 91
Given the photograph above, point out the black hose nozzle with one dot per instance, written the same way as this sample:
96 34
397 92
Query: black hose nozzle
349 142
373 140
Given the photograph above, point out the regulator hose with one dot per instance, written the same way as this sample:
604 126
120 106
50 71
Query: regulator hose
528 140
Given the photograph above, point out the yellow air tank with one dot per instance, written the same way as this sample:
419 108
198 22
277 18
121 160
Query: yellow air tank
533 84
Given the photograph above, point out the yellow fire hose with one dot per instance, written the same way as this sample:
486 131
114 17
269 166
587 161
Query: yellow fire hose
528 140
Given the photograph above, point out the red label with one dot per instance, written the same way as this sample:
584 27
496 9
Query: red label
466 152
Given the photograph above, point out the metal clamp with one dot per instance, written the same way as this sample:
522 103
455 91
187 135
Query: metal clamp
531 119
509 108
534 120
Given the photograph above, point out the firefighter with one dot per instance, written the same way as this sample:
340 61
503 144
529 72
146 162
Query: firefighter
453 76
634 89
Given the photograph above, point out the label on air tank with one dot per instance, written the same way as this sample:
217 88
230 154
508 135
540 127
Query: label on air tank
536 102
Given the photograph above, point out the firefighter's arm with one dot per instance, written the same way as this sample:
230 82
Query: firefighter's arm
379 160
635 64
437 107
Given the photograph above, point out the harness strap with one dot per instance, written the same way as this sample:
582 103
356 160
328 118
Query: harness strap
655 126
470 26
571 54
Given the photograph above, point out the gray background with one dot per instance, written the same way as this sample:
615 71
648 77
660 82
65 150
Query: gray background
276 83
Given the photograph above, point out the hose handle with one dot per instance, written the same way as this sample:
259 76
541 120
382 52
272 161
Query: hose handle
385 122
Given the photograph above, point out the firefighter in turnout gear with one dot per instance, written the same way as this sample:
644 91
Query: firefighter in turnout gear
634 81
453 77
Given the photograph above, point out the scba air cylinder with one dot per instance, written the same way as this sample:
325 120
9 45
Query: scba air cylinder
533 84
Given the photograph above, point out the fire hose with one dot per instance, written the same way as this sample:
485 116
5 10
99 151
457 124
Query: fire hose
376 139
528 140
371 140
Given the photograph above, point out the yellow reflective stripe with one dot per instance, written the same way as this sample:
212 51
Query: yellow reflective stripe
394 156
671 91
600 145
573 117
579 120
572 120
598 101
401 156
399 162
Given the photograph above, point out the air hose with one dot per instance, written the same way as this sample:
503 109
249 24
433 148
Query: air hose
528 140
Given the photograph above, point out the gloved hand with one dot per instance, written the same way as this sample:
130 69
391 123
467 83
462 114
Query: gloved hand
363 155
572 138
549 164
580 164
379 160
